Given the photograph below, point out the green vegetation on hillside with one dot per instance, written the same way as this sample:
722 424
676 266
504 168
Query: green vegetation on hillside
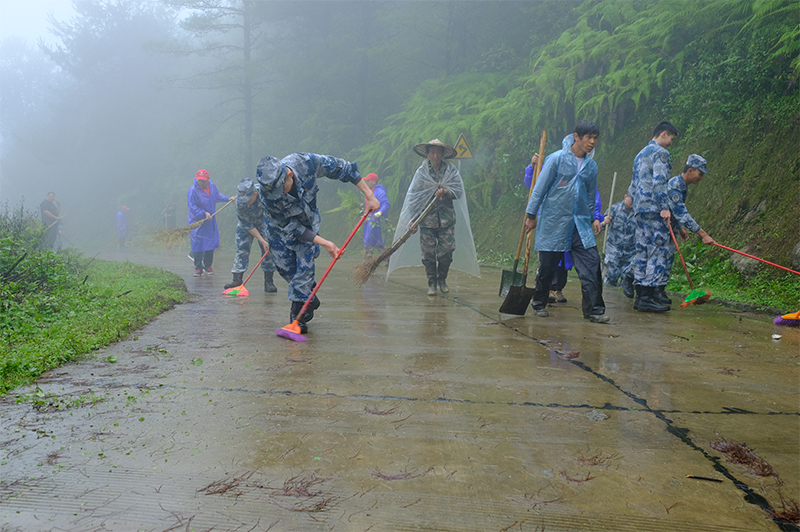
55 307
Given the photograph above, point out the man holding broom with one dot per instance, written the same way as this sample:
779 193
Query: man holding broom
289 193
252 224
443 242
678 190
566 192
202 198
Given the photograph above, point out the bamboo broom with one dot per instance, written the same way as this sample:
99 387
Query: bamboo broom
364 270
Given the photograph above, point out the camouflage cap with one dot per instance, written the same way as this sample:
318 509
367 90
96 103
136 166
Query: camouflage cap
695 161
245 188
271 174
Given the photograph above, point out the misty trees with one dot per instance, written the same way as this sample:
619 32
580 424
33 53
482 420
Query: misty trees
228 32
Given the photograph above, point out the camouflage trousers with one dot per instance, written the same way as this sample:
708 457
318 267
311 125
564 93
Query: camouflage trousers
653 260
437 246
619 266
244 241
294 261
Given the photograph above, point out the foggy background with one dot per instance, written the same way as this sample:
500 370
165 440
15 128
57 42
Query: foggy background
121 102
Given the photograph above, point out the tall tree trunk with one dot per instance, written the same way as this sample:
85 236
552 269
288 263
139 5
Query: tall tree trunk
247 89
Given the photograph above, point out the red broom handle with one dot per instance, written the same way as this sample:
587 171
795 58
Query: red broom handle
324 275
256 267
675 241
752 257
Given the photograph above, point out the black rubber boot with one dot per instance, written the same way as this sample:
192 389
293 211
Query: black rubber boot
661 296
648 302
296 306
442 277
269 286
430 271
627 287
637 288
237 281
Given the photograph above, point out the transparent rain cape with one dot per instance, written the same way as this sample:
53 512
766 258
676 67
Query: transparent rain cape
419 194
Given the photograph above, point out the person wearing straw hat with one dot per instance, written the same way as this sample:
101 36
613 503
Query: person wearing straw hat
289 192
252 224
443 242
202 198
681 220
373 231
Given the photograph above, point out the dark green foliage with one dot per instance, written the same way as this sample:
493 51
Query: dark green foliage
55 307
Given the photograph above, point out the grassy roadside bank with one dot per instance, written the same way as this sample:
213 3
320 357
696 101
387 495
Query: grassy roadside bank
769 290
80 306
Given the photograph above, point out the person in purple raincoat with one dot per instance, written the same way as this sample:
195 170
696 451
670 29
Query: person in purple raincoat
202 198
373 233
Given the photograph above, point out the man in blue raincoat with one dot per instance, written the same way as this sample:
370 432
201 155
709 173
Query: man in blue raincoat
651 173
202 199
566 193
373 231
289 192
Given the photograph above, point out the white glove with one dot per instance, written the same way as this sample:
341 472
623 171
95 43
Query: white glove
377 214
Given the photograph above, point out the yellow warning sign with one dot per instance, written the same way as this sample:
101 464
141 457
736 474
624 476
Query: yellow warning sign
462 148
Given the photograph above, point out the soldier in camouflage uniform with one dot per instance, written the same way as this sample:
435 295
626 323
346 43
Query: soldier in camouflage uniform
678 189
289 192
651 171
252 225
621 244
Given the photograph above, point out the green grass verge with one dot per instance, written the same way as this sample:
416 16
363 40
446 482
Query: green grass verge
115 299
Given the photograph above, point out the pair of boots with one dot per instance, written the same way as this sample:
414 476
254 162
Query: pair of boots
437 278
269 286
651 299
307 316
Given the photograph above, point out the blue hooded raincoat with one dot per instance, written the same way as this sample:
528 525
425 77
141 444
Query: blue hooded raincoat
567 199
205 237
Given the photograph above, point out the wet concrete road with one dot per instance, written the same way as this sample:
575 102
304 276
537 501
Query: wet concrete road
404 412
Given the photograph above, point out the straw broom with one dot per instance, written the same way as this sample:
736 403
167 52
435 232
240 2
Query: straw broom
364 270
170 236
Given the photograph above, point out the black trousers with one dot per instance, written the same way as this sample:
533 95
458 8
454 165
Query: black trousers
203 258
587 264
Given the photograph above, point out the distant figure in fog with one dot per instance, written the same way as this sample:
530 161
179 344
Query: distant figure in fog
122 226
169 215
202 198
50 209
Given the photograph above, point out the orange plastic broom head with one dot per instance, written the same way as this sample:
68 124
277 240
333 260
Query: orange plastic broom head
697 297
240 291
291 332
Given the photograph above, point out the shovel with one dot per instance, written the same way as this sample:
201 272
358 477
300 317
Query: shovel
516 302
513 277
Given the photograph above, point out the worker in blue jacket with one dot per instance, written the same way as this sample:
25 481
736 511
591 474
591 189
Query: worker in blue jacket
566 193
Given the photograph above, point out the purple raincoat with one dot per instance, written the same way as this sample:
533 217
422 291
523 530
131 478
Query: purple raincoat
205 237
373 236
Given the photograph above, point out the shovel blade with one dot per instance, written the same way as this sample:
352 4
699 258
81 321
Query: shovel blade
509 279
517 300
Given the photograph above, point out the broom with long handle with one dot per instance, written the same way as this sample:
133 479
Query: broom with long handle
695 296
365 269
292 331
183 231
756 258
240 290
